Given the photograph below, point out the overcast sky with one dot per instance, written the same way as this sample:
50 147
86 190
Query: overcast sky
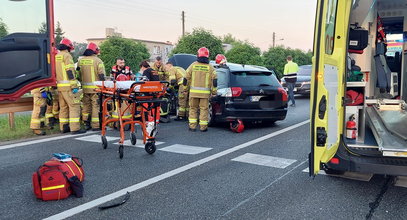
160 20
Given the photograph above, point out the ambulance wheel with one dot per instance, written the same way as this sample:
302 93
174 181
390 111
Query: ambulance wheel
150 147
133 138
104 142
121 148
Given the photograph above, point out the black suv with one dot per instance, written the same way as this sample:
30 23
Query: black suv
249 93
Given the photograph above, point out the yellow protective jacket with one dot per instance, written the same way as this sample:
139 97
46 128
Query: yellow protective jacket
176 73
161 72
200 78
65 71
91 69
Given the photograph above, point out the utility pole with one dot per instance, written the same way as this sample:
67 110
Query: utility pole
274 39
183 23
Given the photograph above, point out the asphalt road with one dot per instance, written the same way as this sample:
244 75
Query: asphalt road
258 174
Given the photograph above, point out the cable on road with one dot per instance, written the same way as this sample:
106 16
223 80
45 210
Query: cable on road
127 196
373 205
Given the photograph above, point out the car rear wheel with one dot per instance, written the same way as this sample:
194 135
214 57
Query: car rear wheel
211 116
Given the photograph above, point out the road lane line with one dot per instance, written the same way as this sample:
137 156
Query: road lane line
28 143
264 160
264 188
185 149
117 194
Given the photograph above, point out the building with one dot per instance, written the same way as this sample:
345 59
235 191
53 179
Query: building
155 48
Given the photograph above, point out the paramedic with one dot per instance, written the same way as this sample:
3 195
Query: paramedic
290 77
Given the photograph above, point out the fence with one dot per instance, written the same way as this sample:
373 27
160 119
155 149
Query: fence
11 107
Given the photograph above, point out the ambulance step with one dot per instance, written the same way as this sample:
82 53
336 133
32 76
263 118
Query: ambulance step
388 128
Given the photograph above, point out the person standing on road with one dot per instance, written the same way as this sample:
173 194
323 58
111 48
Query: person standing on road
290 77
69 93
176 77
201 84
91 69
39 108
148 72
121 68
52 113
158 67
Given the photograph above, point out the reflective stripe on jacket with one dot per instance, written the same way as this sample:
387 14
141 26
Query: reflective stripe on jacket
90 69
200 78
64 65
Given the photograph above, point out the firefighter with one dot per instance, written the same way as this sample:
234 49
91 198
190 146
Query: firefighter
121 68
52 114
201 84
91 69
176 77
39 109
68 90
159 70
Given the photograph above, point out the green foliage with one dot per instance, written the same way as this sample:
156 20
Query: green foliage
3 29
79 49
133 52
43 28
275 58
200 37
245 53
59 33
229 39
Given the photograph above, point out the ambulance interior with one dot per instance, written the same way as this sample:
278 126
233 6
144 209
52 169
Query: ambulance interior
376 81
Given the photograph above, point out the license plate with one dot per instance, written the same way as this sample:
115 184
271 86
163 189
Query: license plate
255 98
295 89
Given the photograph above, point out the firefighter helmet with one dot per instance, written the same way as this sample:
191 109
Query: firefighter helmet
93 47
203 52
220 59
237 126
68 43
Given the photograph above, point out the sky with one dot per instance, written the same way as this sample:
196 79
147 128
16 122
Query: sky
160 20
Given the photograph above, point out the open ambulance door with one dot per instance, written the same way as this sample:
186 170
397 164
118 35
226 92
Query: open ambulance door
328 80
26 52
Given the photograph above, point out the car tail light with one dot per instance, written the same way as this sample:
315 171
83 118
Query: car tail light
334 160
236 91
230 92
283 93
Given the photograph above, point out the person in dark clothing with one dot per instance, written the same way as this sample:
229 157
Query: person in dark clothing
148 71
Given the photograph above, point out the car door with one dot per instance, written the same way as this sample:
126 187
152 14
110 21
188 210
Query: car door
328 80
26 54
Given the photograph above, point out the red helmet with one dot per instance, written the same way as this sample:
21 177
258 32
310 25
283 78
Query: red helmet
220 59
203 52
93 47
122 77
237 126
67 43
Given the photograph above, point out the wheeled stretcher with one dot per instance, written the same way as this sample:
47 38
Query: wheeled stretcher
141 99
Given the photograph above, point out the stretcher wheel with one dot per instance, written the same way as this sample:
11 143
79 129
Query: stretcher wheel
121 149
104 142
150 147
133 138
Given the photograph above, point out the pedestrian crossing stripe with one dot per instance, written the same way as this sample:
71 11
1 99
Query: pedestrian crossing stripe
96 138
185 149
139 143
264 160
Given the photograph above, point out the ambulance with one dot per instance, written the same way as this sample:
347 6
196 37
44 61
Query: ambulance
359 88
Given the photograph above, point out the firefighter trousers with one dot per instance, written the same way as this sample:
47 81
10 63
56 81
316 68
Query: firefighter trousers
182 102
70 109
90 111
52 110
203 105
38 113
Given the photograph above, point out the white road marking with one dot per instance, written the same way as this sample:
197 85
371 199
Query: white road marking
139 143
28 143
264 160
321 172
117 194
96 138
185 149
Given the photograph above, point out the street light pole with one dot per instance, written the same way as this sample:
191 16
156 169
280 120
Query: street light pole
274 39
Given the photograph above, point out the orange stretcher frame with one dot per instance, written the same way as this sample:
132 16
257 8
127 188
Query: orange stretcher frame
142 100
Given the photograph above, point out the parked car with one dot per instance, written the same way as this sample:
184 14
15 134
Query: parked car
303 84
245 92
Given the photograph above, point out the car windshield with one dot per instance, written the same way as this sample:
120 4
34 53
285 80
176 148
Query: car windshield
239 79
305 70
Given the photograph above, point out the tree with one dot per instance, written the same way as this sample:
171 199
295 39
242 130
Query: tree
133 52
43 28
275 58
245 53
200 37
229 39
79 49
59 33
3 29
